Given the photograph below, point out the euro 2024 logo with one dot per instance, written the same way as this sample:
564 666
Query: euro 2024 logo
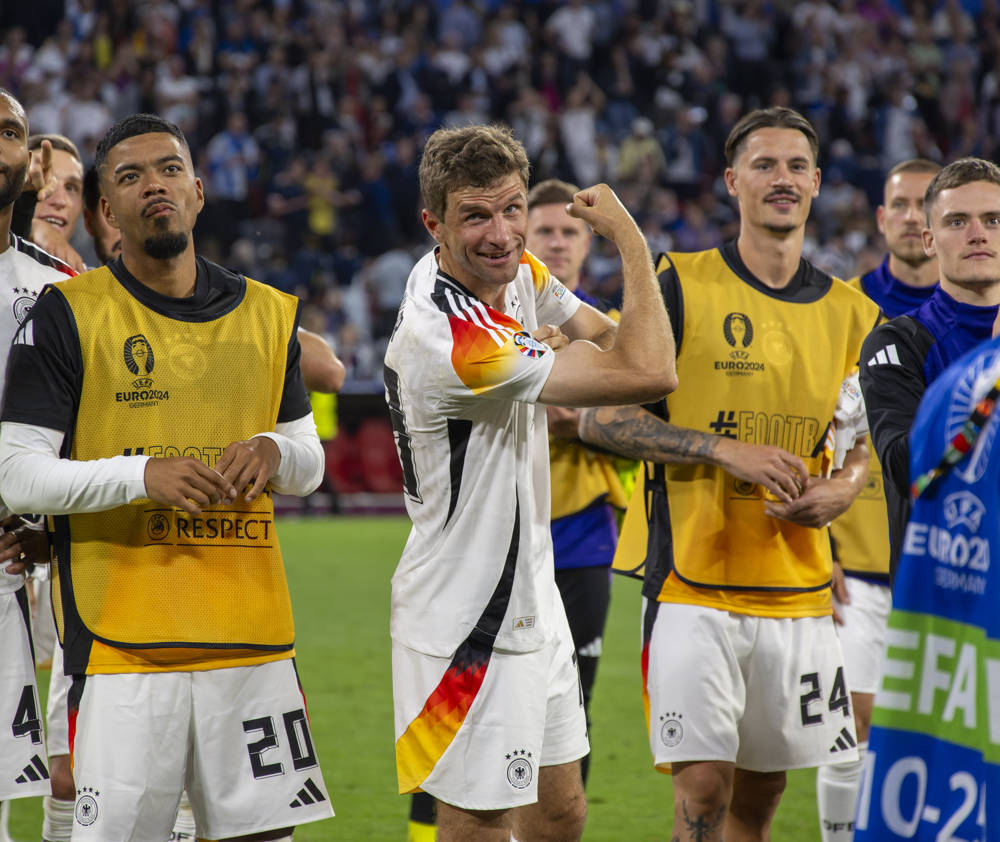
738 331
139 359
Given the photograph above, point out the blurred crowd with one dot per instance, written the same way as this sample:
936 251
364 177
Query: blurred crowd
306 117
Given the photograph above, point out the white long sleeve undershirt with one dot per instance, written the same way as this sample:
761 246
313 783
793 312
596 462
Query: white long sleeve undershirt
33 478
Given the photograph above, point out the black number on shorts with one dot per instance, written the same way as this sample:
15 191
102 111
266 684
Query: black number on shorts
297 728
259 768
398 418
26 722
806 699
839 699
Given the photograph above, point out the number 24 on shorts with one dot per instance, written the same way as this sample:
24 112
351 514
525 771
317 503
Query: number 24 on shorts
812 714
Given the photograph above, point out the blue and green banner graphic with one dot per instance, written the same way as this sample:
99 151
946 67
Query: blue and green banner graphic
933 766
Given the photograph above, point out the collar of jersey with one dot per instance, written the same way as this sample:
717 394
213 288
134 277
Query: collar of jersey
808 284
217 292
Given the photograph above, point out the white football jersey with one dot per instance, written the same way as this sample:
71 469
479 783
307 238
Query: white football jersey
22 276
461 380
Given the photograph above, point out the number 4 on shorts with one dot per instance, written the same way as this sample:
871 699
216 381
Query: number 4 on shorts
26 721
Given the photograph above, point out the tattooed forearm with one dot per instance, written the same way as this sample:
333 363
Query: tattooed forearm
632 431
703 828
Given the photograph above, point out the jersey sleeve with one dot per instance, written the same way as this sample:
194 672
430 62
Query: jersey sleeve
892 381
494 361
555 304
45 368
294 399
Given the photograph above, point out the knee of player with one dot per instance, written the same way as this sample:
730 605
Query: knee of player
863 704
702 788
758 795
568 817
61 775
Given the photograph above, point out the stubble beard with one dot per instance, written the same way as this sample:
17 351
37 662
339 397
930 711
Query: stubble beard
915 259
977 283
12 186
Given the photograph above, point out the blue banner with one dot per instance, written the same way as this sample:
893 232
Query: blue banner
932 771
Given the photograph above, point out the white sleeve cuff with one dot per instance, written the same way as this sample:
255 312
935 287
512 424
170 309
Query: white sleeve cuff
302 457
34 479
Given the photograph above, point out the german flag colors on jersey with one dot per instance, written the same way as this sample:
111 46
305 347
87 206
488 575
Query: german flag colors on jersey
476 574
461 380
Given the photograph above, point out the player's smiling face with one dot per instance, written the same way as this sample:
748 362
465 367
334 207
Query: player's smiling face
62 209
149 189
774 178
482 235
964 234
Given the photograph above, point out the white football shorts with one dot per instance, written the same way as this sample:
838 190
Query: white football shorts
525 711
767 694
238 739
23 758
862 636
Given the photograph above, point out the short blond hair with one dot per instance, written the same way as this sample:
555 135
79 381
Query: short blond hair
473 156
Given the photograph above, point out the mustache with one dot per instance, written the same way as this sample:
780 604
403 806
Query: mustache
782 194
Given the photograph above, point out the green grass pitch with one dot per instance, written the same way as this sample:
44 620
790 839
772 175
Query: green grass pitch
339 569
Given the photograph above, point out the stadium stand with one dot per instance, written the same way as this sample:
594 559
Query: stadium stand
307 116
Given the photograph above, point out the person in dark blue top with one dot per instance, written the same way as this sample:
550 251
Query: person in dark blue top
908 275
903 356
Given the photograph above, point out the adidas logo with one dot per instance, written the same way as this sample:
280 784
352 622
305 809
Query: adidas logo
887 356
309 794
845 740
34 771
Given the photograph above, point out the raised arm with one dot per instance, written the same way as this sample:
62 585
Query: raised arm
639 365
